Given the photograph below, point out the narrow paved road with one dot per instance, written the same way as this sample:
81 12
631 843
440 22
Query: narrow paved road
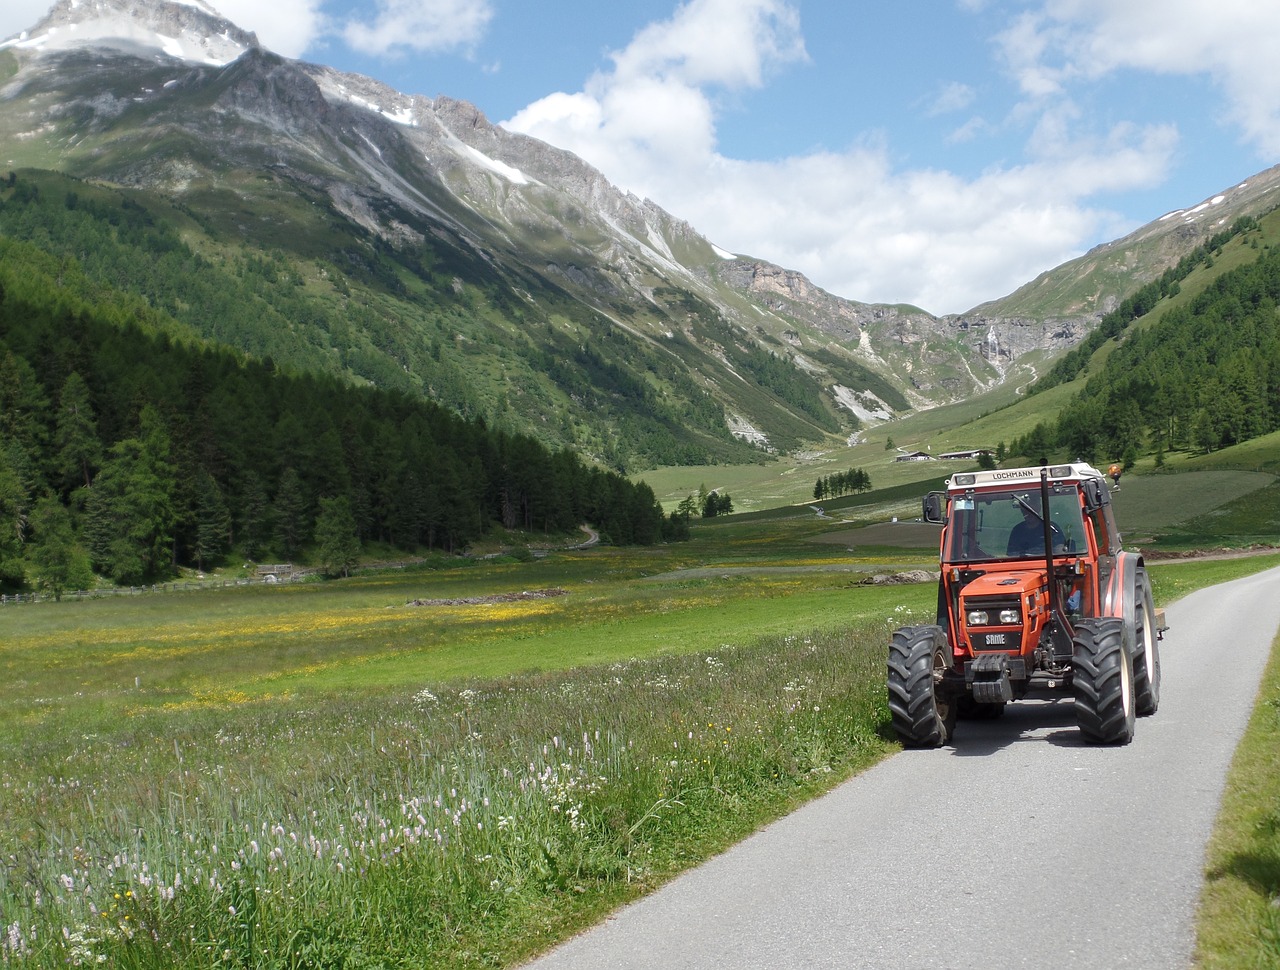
1017 847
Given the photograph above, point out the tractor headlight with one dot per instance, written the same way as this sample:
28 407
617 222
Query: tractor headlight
1010 617
978 618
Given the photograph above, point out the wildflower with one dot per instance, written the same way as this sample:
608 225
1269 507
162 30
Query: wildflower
14 944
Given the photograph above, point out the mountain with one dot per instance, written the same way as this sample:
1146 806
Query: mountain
1097 281
330 222
491 271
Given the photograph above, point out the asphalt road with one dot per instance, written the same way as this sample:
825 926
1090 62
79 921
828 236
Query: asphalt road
1019 846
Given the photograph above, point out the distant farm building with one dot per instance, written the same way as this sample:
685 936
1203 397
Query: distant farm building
914 456
971 455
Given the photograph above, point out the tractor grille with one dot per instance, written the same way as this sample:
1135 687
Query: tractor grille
994 635
998 640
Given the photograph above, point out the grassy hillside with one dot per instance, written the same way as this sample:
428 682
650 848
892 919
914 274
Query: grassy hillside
1109 273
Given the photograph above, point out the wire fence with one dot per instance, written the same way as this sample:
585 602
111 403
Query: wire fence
265 576
185 586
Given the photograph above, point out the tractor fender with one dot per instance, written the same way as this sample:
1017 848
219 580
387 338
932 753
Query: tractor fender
1118 599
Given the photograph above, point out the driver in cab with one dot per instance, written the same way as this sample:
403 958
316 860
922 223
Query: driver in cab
1027 537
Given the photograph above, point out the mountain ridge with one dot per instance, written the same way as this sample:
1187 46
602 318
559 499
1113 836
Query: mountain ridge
272 153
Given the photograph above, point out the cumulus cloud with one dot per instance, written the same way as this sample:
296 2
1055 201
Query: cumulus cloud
393 27
863 229
1232 41
420 26
287 27
654 112
851 220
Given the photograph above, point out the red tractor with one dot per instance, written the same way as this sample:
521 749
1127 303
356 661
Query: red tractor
1034 591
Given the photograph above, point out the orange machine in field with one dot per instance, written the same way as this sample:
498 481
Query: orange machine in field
1035 590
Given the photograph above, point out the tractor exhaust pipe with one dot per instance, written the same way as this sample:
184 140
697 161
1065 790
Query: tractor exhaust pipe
1059 630
1054 606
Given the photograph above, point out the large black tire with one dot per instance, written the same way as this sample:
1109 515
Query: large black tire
1146 649
1103 681
922 716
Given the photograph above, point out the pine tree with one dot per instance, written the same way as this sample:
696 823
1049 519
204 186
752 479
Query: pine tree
59 563
290 513
15 505
336 537
255 516
79 450
213 521
132 505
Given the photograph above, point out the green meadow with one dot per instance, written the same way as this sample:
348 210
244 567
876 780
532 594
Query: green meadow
454 765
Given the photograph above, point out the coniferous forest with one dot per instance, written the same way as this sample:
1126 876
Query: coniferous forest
128 452
1204 375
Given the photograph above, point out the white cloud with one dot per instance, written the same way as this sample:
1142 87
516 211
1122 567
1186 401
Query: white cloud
1232 41
291 27
863 230
653 112
420 26
287 27
952 96
731 43
850 220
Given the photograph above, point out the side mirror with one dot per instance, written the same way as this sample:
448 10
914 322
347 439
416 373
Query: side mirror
934 507
1093 492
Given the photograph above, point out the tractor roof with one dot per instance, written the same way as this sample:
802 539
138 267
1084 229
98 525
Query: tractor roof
1076 472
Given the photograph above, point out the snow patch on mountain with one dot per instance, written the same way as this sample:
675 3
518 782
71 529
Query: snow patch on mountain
186 30
334 87
511 174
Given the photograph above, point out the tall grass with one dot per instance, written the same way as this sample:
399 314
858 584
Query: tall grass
1239 924
428 826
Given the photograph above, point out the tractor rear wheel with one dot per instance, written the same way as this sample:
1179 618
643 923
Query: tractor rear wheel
922 715
1146 654
1103 681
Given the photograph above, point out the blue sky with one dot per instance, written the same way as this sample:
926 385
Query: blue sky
935 152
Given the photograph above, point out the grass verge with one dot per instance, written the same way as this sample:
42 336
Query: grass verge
1239 919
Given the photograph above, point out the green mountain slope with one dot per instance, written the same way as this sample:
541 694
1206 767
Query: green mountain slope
1100 279
131 448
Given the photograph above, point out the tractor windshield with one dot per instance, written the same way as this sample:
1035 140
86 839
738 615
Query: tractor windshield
983 526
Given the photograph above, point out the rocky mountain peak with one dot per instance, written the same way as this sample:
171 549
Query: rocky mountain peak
188 30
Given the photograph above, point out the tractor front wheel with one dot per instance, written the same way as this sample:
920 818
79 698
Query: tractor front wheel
1103 681
923 715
